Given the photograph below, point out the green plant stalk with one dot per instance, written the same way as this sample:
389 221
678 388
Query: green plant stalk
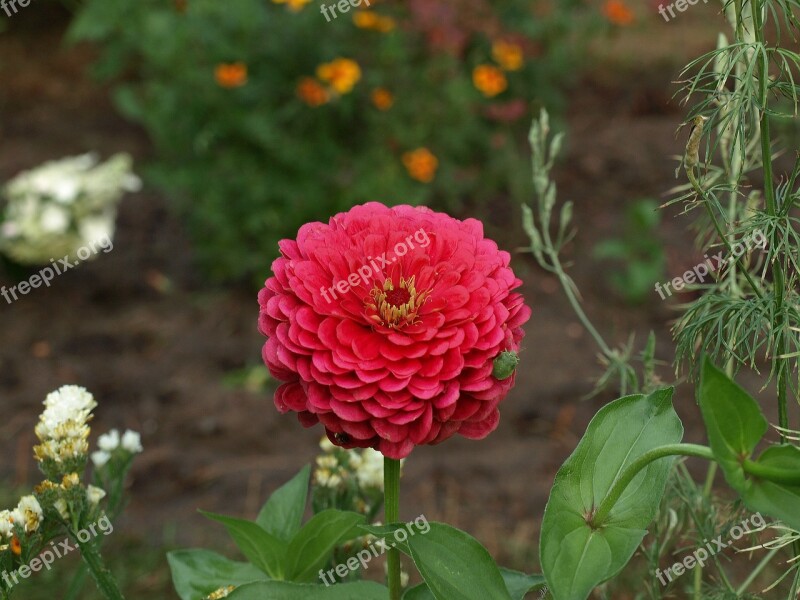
772 210
102 576
391 491
760 567
618 488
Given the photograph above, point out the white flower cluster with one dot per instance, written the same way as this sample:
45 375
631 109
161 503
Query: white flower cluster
130 441
63 428
28 514
336 465
61 206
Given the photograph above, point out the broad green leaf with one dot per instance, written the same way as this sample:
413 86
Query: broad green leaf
282 515
775 499
197 573
310 549
733 420
261 548
576 556
518 585
387 533
455 565
285 590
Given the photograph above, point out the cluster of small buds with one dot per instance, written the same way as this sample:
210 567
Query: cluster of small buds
63 430
130 442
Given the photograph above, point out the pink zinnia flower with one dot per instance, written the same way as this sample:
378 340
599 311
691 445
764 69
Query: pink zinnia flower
385 323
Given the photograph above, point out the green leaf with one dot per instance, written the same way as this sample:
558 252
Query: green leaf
282 515
313 545
284 590
455 565
519 584
776 499
197 573
576 556
386 532
733 420
261 548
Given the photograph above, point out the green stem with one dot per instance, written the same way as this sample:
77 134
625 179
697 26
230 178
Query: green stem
771 474
102 576
391 491
632 470
752 577
772 209
637 465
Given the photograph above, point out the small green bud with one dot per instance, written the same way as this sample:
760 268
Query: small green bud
504 364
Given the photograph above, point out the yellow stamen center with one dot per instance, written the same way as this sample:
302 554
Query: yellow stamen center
397 306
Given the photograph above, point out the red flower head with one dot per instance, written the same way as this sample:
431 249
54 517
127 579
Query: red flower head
385 325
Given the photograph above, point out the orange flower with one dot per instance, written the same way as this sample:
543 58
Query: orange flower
231 75
421 164
342 74
294 5
16 547
489 80
312 92
618 13
382 98
369 20
508 55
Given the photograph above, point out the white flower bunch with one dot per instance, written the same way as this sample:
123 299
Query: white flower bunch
130 441
61 206
63 428
28 514
336 465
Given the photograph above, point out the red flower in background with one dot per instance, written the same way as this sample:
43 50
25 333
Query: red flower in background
384 325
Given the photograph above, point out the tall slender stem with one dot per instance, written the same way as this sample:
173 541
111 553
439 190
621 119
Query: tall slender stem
772 208
102 576
391 491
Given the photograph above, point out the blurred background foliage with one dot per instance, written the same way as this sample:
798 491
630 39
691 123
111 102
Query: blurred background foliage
266 115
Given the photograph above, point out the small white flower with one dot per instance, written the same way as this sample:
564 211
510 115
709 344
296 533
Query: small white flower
54 219
326 445
95 494
6 524
326 461
109 441
370 472
61 507
31 513
132 442
9 229
62 428
65 191
100 458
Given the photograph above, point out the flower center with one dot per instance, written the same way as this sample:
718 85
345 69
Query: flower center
395 307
